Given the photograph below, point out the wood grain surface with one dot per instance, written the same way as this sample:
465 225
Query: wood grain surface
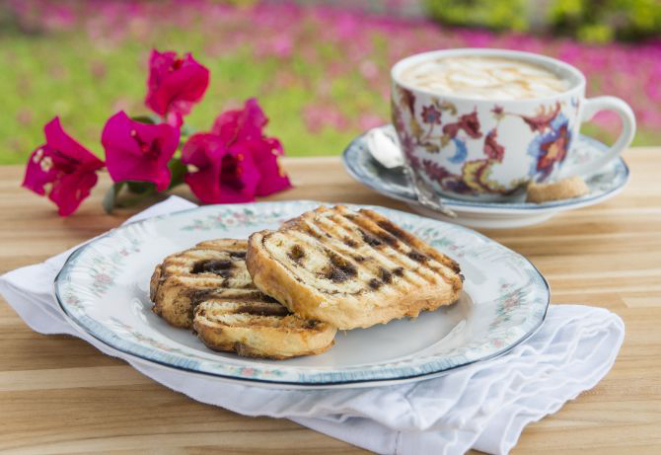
60 395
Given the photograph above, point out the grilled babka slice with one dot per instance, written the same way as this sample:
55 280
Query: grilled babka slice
351 269
259 329
208 288
211 269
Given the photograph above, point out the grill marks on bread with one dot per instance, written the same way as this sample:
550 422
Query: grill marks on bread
252 314
211 269
219 309
388 249
340 269
364 251
220 267
259 329
208 288
352 269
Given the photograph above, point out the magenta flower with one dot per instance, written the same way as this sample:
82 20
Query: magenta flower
266 155
138 151
217 174
175 84
62 168
243 130
240 124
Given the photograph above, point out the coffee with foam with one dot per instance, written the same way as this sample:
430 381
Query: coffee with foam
485 77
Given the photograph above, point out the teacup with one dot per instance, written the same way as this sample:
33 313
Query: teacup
472 140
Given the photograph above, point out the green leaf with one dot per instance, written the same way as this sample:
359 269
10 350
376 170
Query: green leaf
138 187
178 170
187 130
129 201
116 197
110 198
147 119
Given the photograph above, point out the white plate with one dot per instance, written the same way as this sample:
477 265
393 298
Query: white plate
104 290
603 185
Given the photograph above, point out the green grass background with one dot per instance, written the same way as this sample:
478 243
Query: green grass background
85 81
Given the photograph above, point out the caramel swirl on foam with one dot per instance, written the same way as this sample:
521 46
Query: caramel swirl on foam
485 77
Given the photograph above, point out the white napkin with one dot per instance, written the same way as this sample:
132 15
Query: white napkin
484 406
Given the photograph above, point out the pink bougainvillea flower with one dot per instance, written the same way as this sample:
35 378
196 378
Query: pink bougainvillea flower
175 84
239 125
138 151
266 154
242 129
62 168
218 174
235 162
203 155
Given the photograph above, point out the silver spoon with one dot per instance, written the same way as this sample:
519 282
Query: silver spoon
386 150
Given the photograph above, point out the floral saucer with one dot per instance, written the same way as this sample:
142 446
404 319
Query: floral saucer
103 290
603 185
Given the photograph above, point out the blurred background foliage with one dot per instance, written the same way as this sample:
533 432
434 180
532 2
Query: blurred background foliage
595 21
607 20
319 68
494 14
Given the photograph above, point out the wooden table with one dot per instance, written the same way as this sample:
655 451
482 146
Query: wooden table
60 395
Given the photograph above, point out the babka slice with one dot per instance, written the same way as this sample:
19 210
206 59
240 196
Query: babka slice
351 269
208 288
259 329
211 269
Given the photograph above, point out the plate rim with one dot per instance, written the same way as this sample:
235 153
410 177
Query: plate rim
477 207
81 327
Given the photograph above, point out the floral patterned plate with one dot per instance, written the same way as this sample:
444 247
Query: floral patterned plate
104 291
516 212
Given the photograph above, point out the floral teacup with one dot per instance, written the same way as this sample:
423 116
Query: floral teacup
486 149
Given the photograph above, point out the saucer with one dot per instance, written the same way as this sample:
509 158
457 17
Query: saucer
603 184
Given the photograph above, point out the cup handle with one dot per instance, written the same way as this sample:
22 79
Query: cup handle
590 108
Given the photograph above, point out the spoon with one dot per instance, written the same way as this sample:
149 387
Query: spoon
386 150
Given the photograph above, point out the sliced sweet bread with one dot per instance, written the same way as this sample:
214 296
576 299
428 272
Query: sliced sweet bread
208 287
259 329
351 269
211 269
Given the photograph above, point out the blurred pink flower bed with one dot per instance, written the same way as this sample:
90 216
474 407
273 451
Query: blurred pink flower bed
318 49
